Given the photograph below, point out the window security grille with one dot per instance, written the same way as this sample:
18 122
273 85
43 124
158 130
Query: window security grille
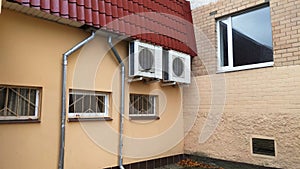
17 103
87 104
143 105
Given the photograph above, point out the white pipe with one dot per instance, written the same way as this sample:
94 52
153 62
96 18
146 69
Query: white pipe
63 102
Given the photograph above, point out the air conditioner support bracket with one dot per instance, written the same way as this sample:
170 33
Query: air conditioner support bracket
183 85
151 80
135 79
169 84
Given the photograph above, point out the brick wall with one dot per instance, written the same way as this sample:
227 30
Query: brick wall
286 31
223 111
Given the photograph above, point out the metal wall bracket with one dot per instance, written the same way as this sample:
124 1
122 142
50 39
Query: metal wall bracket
152 80
135 79
169 84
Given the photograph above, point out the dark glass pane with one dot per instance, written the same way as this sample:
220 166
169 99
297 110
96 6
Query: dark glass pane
2 100
24 93
140 109
23 102
101 104
263 146
2 97
152 102
32 110
136 104
12 102
78 103
149 108
86 103
131 103
252 37
93 104
32 96
145 104
71 105
223 43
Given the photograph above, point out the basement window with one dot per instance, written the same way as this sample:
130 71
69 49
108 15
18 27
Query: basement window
245 40
143 106
19 103
88 104
263 146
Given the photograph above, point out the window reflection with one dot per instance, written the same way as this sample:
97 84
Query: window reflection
252 37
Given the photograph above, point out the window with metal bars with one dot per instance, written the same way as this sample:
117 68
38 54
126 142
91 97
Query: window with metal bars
19 103
143 105
87 104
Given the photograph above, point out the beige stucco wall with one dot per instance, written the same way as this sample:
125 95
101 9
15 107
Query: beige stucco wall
263 102
230 108
31 55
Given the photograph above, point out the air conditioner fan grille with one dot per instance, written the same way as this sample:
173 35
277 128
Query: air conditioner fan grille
146 59
178 67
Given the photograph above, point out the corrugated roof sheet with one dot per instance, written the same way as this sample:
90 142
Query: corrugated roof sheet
167 23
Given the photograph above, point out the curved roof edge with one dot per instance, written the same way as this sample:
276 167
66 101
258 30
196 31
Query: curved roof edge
167 23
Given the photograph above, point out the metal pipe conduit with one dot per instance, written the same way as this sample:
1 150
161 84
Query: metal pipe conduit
63 102
121 129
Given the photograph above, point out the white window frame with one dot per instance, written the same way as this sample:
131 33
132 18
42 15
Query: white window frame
231 67
146 115
37 102
90 115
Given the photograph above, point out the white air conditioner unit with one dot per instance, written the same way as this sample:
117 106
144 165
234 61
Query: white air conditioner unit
176 67
145 60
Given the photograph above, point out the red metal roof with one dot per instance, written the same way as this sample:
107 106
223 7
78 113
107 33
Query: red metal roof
166 23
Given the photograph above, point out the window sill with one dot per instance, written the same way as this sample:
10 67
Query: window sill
89 119
20 121
263 156
144 117
246 67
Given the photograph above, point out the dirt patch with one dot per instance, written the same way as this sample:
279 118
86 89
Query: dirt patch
196 162
191 164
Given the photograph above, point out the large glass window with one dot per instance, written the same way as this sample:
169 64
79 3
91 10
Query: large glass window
245 40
